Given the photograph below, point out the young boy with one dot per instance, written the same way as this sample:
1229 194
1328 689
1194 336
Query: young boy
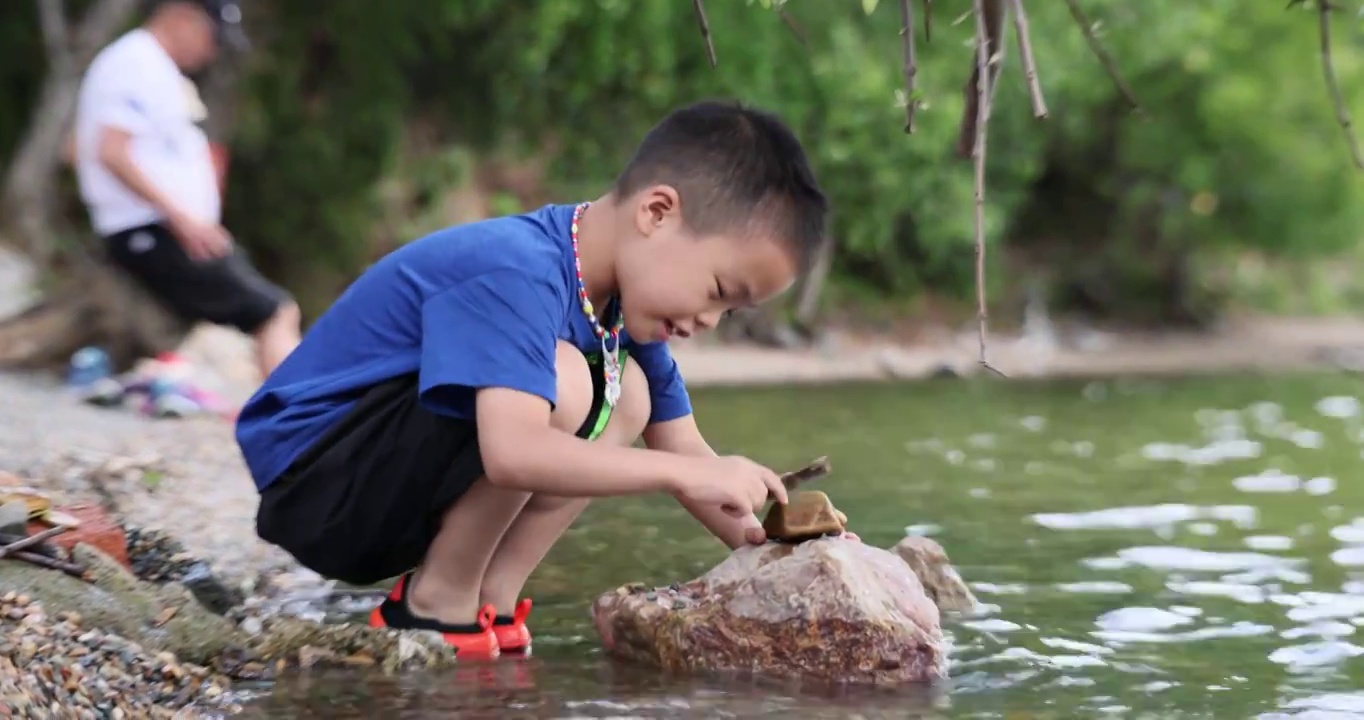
459 404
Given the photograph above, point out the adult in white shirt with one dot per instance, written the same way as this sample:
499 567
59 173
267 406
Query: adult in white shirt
150 184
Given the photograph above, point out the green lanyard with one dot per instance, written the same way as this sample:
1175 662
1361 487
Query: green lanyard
594 359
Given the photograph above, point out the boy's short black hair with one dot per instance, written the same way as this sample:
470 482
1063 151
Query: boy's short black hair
734 167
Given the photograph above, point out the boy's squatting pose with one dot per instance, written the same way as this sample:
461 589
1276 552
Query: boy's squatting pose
459 404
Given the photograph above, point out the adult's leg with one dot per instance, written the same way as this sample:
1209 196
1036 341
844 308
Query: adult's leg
224 291
446 587
277 337
243 298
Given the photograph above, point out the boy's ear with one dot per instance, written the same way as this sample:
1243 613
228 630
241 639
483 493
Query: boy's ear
658 206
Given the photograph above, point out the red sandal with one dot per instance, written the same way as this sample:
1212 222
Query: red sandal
512 633
475 639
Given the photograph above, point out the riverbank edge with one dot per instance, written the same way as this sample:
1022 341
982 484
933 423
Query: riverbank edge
1247 344
1250 344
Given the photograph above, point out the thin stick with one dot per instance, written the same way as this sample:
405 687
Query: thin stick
928 21
1039 105
816 469
794 479
911 67
983 96
32 540
700 8
1101 52
47 562
1328 70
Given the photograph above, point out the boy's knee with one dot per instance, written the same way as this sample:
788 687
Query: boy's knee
573 389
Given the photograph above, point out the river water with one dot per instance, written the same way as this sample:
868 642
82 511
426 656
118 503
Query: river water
1143 549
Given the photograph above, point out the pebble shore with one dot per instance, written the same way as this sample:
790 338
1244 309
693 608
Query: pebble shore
52 667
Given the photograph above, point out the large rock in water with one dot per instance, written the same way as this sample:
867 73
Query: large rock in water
830 609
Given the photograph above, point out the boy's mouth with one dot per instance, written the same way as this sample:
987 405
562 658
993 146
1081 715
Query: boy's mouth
671 330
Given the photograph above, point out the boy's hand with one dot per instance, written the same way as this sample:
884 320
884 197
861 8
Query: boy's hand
738 485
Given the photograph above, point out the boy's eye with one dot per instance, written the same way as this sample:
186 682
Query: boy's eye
719 289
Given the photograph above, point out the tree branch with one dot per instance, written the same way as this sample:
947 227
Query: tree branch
1039 105
911 67
793 26
700 7
993 18
1101 52
928 21
1328 70
984 94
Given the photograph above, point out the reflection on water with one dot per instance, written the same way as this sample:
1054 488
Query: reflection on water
1140 549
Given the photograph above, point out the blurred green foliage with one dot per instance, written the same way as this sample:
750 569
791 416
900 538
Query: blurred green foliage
1238 149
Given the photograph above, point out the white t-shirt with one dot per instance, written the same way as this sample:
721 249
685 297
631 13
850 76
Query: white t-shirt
133 85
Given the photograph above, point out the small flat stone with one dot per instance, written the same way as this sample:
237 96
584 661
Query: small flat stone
809 514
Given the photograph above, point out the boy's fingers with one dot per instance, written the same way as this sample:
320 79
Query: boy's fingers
776 489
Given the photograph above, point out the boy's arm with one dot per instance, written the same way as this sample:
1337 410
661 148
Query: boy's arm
683 437
496 333
672 429
509 421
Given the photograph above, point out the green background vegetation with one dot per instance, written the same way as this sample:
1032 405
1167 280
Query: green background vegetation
1236 185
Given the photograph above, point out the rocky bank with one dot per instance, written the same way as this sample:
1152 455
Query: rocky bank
153 632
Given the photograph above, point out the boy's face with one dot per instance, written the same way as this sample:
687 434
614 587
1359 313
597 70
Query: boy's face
675 284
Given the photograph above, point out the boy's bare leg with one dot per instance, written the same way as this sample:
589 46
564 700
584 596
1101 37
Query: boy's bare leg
545 518
446 586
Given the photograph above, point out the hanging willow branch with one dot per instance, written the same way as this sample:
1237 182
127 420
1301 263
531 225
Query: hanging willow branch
911 64
979 91
1100 52
987 70
1328 71
700 7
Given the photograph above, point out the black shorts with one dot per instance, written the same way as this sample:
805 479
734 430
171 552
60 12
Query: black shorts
225 291
364 502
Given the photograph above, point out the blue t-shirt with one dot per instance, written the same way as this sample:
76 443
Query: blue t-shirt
471 306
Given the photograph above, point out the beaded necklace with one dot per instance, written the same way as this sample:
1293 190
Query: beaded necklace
610 357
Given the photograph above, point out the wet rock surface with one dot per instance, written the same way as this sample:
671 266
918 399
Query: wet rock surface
941 581
829 609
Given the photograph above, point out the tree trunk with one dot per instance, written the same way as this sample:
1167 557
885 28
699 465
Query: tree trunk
812 286
99 307
28 197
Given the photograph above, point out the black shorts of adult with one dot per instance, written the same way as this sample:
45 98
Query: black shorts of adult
223 291
365 501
